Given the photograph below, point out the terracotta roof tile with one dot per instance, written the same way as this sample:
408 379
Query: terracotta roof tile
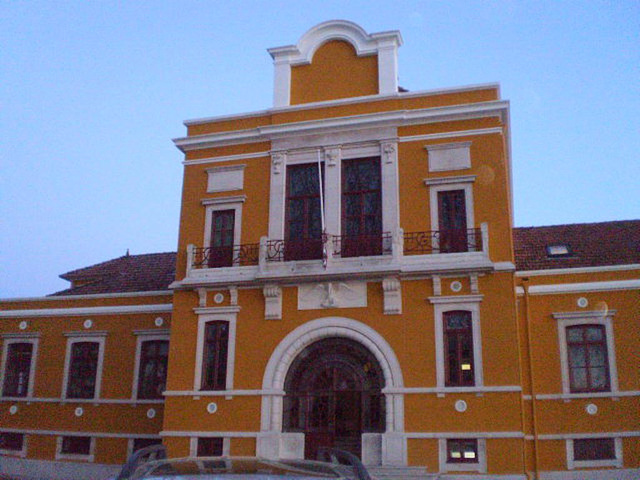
590 245
130 273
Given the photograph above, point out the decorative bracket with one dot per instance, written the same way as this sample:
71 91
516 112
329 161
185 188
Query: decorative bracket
277 160
272 302
392 296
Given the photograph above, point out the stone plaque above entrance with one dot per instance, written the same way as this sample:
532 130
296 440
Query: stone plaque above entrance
347 294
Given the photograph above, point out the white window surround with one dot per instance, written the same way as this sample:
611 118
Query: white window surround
480 466
331 150
568 319
223 203
614 462
205 315
226 178
74 456
441 305
32 338
193 445
144 336
75 337
444 184
17 453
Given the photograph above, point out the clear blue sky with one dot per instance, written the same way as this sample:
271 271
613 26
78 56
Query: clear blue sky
91 94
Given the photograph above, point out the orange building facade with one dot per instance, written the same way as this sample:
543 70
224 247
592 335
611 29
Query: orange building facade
347 275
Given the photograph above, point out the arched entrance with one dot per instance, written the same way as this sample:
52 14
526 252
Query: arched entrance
333 395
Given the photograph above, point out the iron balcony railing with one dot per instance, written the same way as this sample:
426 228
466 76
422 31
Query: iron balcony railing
442 241
339 246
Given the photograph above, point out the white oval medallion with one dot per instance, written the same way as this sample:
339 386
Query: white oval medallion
151 413
456 286
88 323
212 407
78 412
159 321
23 325
13 409
461 406
218 298
591 409
582 302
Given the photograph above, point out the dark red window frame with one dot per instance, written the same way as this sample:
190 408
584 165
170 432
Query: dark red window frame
590 449
214 362
462 445
222 237
361 207
209 447
11 441
74 445
140 443
152 373
458 348
18 369
83 370
452 221
582 350
303 232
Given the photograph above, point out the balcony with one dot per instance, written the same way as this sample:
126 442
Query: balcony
410 252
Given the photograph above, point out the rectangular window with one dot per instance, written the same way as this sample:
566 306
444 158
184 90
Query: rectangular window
210 447
17 369
361 207
458 349
83 370
303 233
140 443
11 442
76 446
214 363
587 358
452 221
222 236
462 451
589 449
152 374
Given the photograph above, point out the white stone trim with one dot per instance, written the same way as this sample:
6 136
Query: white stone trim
16 453
344 101
480 466
225 158
203 318
193 443
384 44
67 456
31 338
143 336
151 293
574 396
225 178
208 433
64 433
457 179
496 108
569 271
568 319
219 204
565 436
95 401
445 435
441 305
572 463
75 337
81 311
604 286
455 134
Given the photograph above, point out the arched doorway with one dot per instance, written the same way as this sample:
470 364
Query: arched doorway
333 395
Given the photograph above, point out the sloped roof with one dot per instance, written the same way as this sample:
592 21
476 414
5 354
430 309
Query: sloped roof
129 273
590 245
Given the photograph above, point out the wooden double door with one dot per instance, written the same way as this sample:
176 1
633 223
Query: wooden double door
334 396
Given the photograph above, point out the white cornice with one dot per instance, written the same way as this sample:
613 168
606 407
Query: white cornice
81 311
343 101
152 293
370 120
31 431
570 271
223 200
449 180
456 299
444 135
584 287
216 310
226 158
